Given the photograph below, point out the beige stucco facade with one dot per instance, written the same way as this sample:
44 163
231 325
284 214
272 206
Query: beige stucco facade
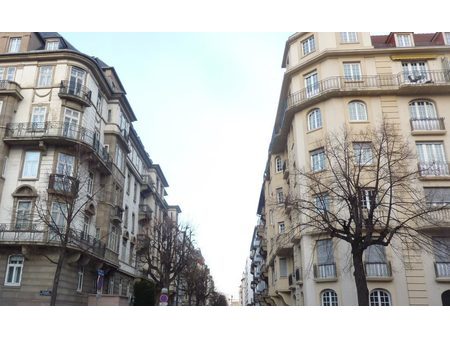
387 75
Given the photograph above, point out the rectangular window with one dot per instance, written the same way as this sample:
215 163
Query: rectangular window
352 71
2 73
318 160
38 116
133 221
30 168
76 81
437 196
10 73
131 254
309 45
404 40
441 246
280 195
90 184
363 153
14 270
432 159
135 188
124 250
322 202
415 72
447 38
119 159
368 198
65 164
71 119
23 215
1 104
86 227
128 184
375 254
114 238
59 217
349 37
325 251
281 227
45 76
80 279
14 45
99 103
283 267
312 84
52 45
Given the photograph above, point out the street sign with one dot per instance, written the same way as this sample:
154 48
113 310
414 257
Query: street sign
164 298
101 272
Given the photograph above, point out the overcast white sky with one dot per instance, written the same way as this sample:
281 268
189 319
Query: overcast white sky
205 104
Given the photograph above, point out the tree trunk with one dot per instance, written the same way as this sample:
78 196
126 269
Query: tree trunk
360 279
62 254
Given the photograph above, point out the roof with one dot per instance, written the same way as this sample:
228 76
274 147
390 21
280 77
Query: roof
422 39
54 35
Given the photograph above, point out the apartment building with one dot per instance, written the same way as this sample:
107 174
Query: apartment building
68 140
355 80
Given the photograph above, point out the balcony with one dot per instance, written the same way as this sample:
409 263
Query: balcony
283 244
442 270
378 270
59 133
63 184
75 92
436 169
145 212
147 186
10 88
325 272
116 214
426 126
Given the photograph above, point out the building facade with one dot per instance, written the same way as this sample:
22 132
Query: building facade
70 158
355 80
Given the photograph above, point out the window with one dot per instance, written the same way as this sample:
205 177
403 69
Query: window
14 45
349 37
424 116
357 111
45 76
76 81
281 227
368 198
325 259
131 254
318 160
124 250
86 227
23 215
90 184
114 238
125 222
312 84
99 103
278 164
379 297
9 74
376 264
352 71
135 188
59 215
309 45
128 183
363 153
283 267
120 160
404 40
109 115
52 45
280 195
328 298
322 202
314 119
432 160
1 103
447 38
133 221
437 196
80 279
441 247
38 116
65 164
415 72
71 119
30 168
14 270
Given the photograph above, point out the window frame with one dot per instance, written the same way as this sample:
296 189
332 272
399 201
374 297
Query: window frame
361 153
280 195
377 298
399 40
14 267
48 77
319 154
281 227
278 164
349 37
283 273
446 38
328 297
352 71
354 108
308 45
13 46
27 221
80 278
315 119
38 111
35 175
51 42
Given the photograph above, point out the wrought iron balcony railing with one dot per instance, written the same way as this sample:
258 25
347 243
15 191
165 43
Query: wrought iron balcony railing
378 269
63 184
70 89
67 131
442 269
436 168
427 124
325 271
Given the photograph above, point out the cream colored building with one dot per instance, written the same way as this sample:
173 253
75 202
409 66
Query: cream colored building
65 116
357 80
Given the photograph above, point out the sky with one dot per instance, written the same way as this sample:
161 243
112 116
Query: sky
205 106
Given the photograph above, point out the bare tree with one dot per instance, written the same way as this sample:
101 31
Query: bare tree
165 253
363 190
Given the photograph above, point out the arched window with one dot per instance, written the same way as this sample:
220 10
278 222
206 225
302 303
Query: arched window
445 298
314 119
380 297
14 270
328 298
423 115
357 111
278 164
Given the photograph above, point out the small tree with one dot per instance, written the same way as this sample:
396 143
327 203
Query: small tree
218 299
144 293
196 280
363 190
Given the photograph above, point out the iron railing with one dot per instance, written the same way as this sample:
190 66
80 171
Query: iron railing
442 269
378 269
437 168
372 82
63 184
325 271
76 90
70 131
9 85
427 124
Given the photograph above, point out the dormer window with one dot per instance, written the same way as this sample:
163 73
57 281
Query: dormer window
447 38
404 40
14 45
349 37
52 45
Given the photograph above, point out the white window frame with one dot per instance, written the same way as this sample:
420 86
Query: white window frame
45 76
280 195
349 37
432 159
38 117
59 217
1 105
317 160
328 297
357 111
377 297
80 279
322 202
415 71
133 221
314 119
447 38
308 45
437 196
278 164
30 168
283 267
14 45
352 71
10 73
90 183
114 235
404 40
16 269
281 227
311 84
363 154
366 196
52 44
23 215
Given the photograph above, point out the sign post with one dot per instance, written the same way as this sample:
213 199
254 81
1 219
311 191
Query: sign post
164 298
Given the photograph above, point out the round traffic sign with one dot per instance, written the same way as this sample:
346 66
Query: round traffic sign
163 298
